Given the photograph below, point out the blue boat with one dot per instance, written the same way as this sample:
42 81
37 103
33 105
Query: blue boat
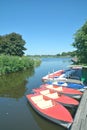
80 87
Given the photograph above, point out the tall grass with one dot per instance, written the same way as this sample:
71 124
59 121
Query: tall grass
9 64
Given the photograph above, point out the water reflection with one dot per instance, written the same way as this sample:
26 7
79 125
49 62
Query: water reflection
13 85
15 112
42 122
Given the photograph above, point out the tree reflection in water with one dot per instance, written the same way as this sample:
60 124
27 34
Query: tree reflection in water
13 85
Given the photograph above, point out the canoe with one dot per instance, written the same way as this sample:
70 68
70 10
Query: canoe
77 86
60 98
63 90
50 110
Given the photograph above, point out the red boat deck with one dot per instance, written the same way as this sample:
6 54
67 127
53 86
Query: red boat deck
51 110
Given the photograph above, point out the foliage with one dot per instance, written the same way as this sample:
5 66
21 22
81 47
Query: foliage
80 43
66 53
12 44
37 62
9 64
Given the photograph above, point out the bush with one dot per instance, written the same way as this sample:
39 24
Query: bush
9 64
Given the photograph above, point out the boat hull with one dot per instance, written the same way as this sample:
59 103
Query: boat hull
52 113
76 86
59 122
64 90
52 75
60 98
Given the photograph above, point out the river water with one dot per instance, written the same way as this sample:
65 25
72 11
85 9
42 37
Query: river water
15 111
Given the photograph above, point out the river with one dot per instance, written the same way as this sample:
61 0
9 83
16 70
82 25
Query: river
15 111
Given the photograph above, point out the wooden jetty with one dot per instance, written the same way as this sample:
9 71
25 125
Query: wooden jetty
80 120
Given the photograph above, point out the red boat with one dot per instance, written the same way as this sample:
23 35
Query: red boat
53 75
60 98
63 90
50 110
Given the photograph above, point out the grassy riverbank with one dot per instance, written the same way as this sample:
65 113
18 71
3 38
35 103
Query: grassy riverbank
9 64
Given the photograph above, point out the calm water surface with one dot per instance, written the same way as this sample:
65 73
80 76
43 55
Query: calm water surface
15 111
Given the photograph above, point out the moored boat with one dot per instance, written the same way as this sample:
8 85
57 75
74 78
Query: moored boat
74 73
50 76
77 86
50 110
63 90
60 98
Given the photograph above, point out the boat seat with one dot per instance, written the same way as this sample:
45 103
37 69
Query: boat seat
49 86
45 104
44 92
59 89
53 95
36 99
55 83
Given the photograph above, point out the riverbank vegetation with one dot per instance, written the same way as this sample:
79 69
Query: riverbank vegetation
9 64
12 59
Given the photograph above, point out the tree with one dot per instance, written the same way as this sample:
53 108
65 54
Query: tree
80 43
12 44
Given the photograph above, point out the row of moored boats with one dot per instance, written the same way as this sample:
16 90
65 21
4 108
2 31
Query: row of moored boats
52 98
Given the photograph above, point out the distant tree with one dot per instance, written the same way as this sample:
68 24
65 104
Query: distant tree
80 43
12 44
64 54
58 54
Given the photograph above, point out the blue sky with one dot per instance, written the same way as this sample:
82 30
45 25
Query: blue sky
47 26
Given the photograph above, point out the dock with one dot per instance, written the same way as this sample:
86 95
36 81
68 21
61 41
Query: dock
80 119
